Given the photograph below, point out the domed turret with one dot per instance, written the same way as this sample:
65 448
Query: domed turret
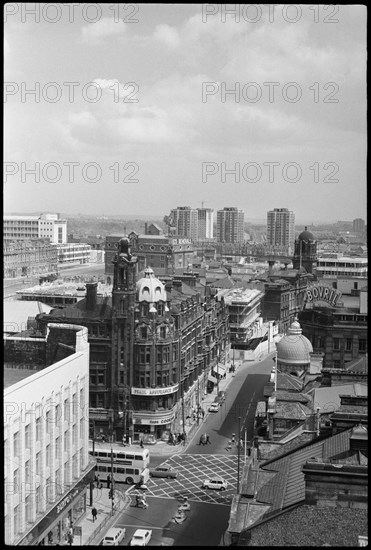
294 348
150 289
306 235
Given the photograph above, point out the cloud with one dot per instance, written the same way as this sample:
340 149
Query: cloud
168 35
94 32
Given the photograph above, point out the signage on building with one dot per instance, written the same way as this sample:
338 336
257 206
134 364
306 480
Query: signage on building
154 421
321 293
154 391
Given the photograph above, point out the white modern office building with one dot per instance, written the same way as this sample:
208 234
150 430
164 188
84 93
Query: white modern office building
348 274
46 425
45 226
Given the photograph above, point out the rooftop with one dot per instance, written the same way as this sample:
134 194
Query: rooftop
12 375
312 526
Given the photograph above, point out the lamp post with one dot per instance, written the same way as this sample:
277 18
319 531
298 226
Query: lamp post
238 455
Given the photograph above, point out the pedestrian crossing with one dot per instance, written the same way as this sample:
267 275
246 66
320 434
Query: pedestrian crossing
192 471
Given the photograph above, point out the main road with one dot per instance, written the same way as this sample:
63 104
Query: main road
207 520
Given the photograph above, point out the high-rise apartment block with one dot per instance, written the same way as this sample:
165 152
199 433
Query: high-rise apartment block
359 225
185 221
229 227
205 223
281 228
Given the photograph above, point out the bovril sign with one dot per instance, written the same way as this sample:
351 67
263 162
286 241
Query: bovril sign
320 293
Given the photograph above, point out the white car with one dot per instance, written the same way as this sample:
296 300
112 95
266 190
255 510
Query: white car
141 537
215 483
214 407
114 536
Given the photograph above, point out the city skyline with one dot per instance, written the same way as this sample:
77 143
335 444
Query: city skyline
185 104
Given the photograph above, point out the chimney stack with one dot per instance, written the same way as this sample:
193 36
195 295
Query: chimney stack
91 296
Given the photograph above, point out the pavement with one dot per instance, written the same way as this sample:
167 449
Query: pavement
94 532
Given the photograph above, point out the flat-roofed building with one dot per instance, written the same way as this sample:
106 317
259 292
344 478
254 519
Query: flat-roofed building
348 274
46 456
45 226
229 225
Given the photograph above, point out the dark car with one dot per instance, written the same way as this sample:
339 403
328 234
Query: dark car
222 396
163 471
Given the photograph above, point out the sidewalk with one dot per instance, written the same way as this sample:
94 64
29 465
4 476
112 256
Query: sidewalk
163 448
93 532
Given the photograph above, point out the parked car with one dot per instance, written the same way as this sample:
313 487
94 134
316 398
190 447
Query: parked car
141 537
215 483
222 396
114 536
163 471
214 407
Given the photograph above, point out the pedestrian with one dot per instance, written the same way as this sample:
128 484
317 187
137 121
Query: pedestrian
108 481
94 513
208 439
141 443
200 442
99 485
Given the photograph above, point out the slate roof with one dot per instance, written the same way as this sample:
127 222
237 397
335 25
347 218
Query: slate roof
79 311
288 486
315 526
288 382
358 365
290 410
328 398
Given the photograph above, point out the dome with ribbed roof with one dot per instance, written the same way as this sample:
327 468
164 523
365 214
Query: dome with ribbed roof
294 348
150 289
306 235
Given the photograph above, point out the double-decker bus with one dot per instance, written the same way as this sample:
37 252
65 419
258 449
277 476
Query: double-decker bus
130 465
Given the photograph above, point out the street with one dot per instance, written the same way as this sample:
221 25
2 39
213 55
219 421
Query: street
207 520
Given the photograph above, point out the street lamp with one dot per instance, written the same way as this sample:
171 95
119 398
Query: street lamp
238 455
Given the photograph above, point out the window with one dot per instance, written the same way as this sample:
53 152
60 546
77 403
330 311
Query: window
348 344
66 409
362 345
336 343
58 449
144 332
16 444
38 464
27 470
48 455
16 480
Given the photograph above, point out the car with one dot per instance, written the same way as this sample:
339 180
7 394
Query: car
222 396
215 483
163 471
114 536
214 407
141 537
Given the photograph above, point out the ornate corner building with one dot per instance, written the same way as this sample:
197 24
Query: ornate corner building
166 338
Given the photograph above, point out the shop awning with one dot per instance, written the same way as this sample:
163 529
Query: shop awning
212 379
219 368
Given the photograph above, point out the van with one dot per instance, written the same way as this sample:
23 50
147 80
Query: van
114 536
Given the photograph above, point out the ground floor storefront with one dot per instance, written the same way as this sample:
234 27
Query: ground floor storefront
56 527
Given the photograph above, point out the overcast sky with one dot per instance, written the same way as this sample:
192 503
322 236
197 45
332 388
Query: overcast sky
139 94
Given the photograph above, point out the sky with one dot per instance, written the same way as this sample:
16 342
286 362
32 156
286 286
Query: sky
114 109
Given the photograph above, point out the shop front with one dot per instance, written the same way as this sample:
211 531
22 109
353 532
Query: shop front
152 427
56 527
